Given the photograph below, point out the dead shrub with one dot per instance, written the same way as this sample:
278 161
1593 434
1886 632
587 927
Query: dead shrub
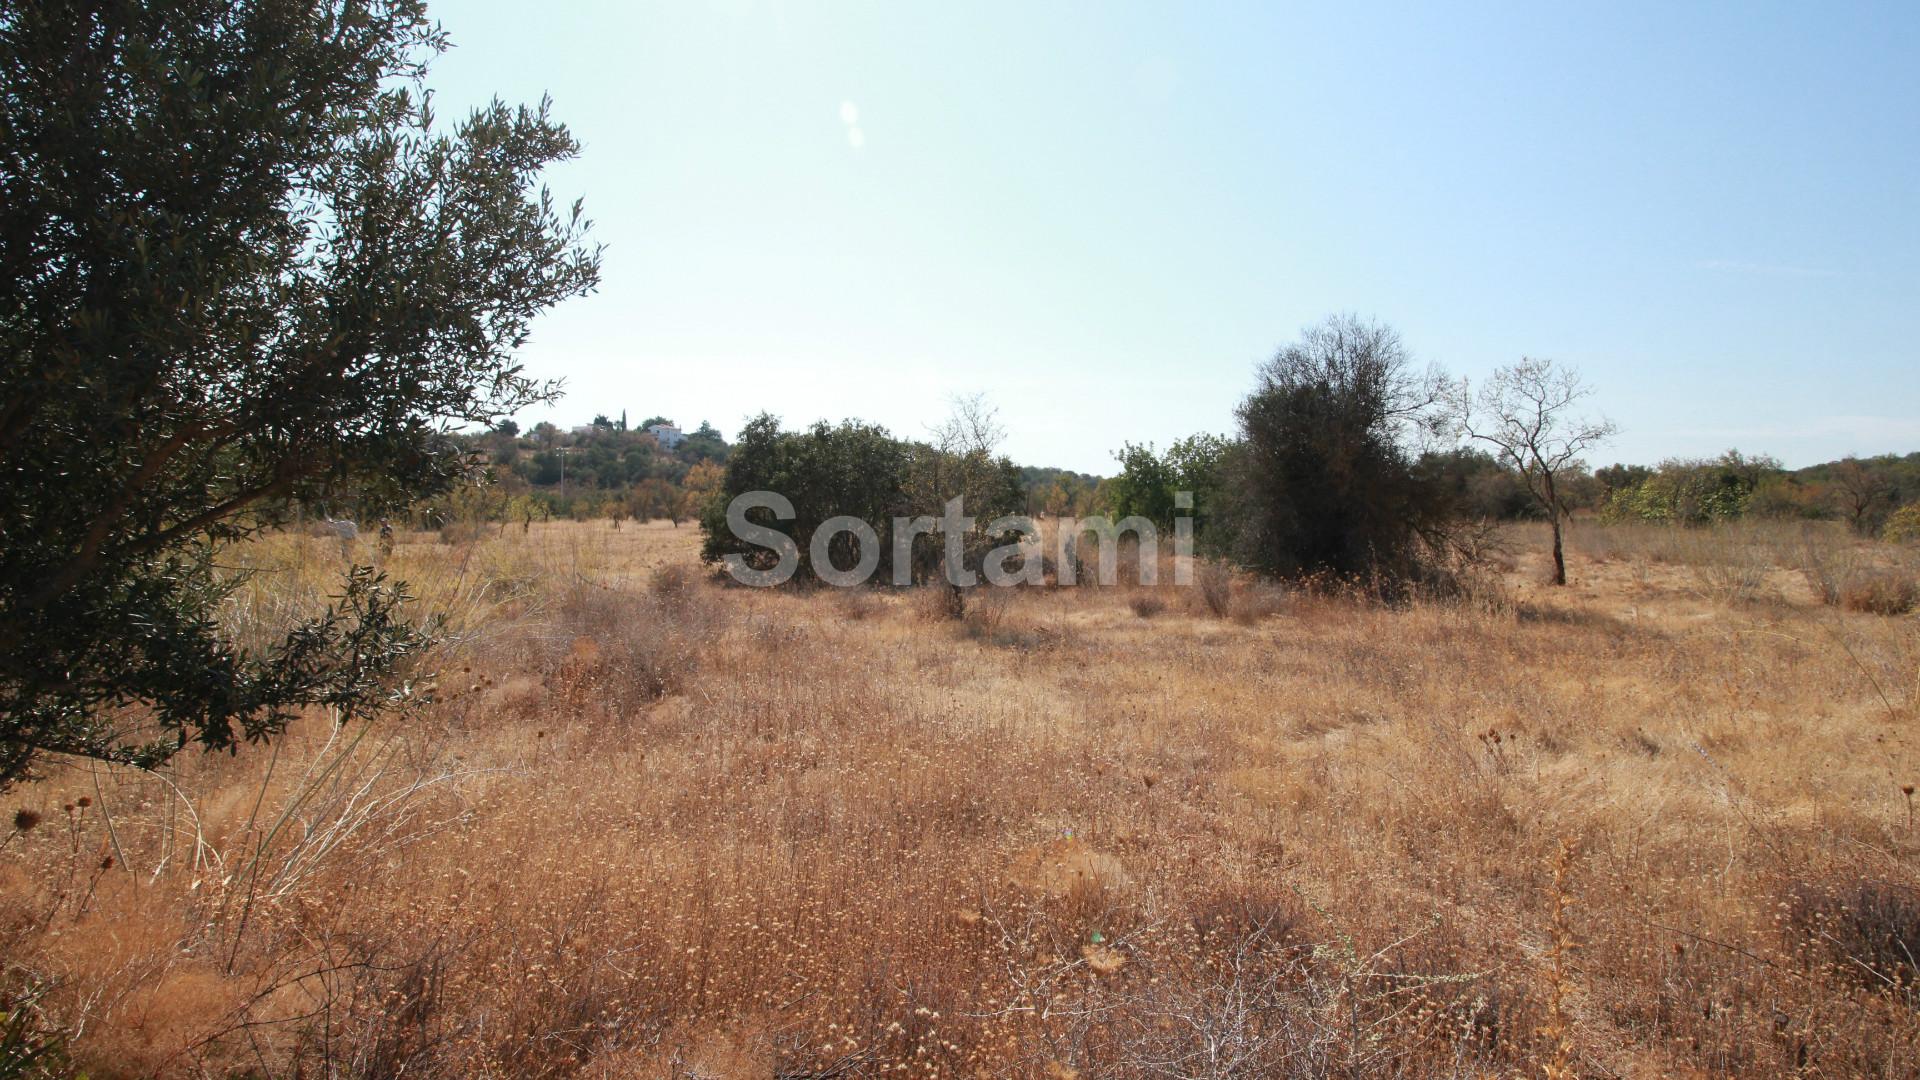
984 609
1480 588
673 585
1880 593
1215 581
1258 602
1729 565
940 602
1147 605
616 650
1844 576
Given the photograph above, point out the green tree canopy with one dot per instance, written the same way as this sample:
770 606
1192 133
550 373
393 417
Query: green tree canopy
241 269
1326 480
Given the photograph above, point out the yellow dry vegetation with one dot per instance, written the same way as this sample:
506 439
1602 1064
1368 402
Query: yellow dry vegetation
645 823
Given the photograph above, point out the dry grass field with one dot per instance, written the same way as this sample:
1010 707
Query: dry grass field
1658 823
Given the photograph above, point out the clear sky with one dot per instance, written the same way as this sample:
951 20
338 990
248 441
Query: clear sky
1105 215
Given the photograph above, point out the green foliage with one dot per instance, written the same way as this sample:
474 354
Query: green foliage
1903 525
241 269
28 1049
1199 464
703 443
1325 483
1478 485
853 468
1144 487
1057 491
1618 477
608 459
1148 485
858 470
1695 492
1784 495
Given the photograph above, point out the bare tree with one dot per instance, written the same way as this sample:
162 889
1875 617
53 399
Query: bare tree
1526 412
962 461
1861 493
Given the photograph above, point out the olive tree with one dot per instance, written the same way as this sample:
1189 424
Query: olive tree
242 270
1527 413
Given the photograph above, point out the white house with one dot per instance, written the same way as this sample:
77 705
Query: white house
670 437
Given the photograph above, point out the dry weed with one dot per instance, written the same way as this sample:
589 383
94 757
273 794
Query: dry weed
648 825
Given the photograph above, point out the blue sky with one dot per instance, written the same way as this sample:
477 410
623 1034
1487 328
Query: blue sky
1104 216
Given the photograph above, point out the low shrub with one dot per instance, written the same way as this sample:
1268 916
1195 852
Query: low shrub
1215 580
1258 602
1903 527
1887 592
1844 577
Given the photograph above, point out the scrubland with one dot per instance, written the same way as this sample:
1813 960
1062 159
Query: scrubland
644 823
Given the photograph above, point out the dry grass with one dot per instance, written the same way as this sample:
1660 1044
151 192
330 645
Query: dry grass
1656 823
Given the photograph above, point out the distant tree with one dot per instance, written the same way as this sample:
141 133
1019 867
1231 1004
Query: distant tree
1696 491
241 270
1324 481
1053 491
1580 489
655 498
601 422
963 461
523 509
1144 486
1861 492
1199 464
652 420
507 427
1101 499
704 443
1477 485
1055 499
1149 485
1526 413
1621 477
618 507
703 481
850 468
861 471
1784 495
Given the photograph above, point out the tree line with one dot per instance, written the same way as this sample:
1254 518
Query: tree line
1347 465
602 470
